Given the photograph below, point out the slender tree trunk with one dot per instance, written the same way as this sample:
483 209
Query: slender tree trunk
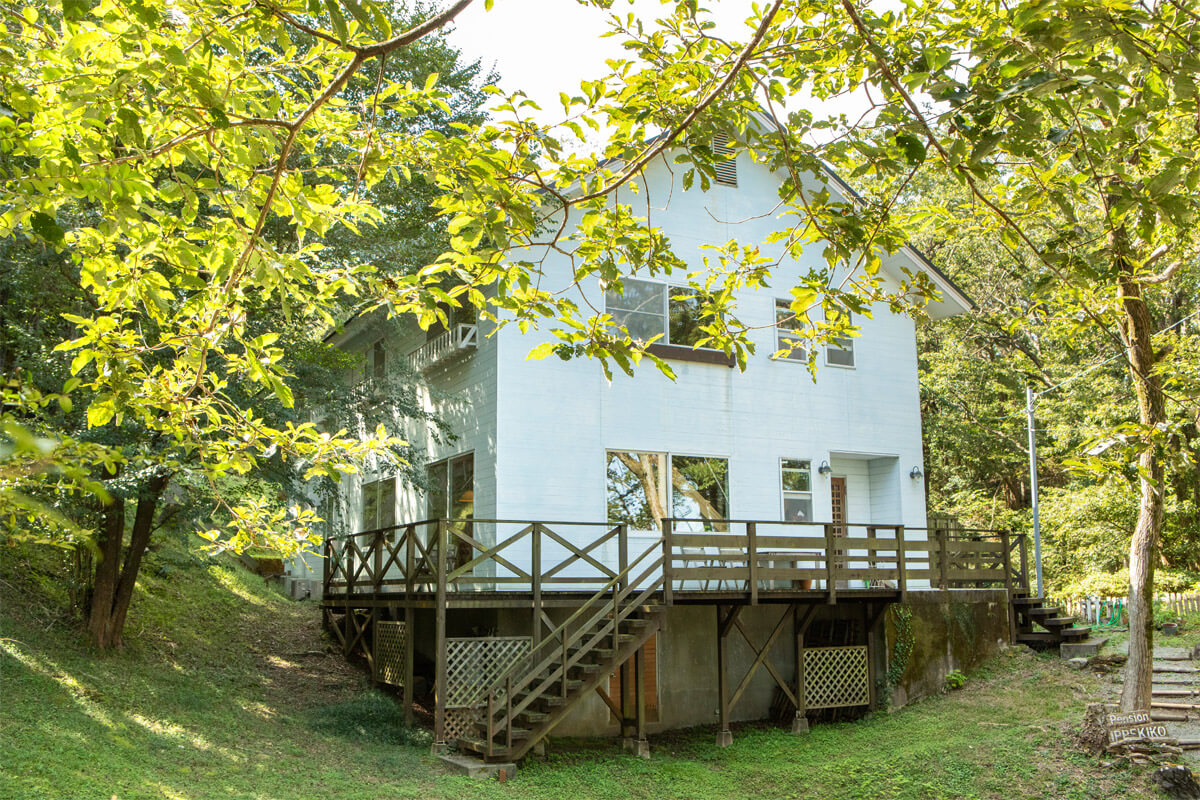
1143 548
106 621
104 581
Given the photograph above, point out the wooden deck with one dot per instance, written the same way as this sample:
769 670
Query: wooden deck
507 563
611 588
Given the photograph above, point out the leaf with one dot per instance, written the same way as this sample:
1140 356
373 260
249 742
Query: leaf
132 125
541 351
338 20
1165 181
75 10
45 227
175 56
984 145
914 148
219 120
358 13
99 413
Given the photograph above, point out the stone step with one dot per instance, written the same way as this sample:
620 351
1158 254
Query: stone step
472 767
1084 649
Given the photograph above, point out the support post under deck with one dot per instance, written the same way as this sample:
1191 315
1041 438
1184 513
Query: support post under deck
724 736
439 704
641 747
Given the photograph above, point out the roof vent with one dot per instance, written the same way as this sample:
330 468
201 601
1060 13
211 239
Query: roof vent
726 171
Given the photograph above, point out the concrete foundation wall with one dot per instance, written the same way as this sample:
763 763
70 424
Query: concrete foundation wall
951 631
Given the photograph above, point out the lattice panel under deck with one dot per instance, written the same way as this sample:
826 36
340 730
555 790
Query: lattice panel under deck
389 652
836 677
473 665
460 722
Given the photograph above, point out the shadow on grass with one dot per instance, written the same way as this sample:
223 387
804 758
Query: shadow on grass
373 717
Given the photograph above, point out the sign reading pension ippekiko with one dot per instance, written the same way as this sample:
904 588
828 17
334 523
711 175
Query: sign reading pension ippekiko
1135 726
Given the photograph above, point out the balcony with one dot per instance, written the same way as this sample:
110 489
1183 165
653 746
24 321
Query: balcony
443 348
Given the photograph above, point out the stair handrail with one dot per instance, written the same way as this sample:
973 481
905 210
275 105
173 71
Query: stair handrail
559 673
620 588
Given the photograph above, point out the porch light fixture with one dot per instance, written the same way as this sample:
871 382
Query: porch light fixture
916 474
824 469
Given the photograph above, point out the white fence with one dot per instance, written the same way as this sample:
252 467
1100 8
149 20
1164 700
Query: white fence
1112 611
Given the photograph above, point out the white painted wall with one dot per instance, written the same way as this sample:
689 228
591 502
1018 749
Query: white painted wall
556 419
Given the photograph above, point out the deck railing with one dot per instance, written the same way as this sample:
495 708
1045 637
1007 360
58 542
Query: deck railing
735 559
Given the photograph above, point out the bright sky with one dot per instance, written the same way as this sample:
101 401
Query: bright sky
545 47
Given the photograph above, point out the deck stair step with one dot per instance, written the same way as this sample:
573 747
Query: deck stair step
1042 626
539 702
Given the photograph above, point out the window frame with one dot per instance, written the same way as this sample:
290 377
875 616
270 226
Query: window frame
846 345
448 463
785 492
663 347
667 487
378 485
798 355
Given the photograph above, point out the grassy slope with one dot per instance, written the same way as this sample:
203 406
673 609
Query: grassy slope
225 691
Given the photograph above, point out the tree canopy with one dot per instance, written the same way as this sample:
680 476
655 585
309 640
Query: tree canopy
161 144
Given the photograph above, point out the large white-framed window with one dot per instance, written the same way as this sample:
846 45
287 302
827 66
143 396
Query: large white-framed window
649 308
789 346
795 478
644 487
840 352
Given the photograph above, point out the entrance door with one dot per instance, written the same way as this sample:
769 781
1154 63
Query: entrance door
837 515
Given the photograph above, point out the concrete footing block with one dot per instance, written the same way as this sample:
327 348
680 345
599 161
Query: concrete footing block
1085 649
638 747
800 724
724 738
471 767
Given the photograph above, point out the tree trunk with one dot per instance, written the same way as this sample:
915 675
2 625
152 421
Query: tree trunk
113 589
104 582
1143 548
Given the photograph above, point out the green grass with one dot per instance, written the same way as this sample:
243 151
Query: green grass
223 692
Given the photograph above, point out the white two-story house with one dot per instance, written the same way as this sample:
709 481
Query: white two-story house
558 444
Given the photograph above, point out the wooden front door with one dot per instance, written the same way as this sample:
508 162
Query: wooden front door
837 514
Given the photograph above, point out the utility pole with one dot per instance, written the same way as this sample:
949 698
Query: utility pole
1033 489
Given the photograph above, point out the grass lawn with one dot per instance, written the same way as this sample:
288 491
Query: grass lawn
225 690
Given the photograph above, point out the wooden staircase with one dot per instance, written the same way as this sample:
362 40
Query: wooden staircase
525 703
1041 626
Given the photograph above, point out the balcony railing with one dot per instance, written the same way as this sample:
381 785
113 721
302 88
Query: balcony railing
733 559
443 347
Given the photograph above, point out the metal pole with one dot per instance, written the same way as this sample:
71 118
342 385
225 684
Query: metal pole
1033 490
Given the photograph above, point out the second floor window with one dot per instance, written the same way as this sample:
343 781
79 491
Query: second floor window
788 342
648 309
378 359
840 352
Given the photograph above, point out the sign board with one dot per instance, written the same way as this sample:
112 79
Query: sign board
1135 726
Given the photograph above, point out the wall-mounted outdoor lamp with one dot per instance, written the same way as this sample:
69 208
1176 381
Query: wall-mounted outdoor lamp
824 469
916 474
